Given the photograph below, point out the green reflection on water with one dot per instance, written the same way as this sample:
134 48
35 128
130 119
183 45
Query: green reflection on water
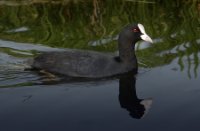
75 24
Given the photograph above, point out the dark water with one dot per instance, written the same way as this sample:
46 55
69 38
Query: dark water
164 95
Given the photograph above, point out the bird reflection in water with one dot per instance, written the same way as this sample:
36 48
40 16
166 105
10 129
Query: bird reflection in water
128 99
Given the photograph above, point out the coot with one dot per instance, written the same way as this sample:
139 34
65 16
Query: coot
91 64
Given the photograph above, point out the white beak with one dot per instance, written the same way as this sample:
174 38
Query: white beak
144 36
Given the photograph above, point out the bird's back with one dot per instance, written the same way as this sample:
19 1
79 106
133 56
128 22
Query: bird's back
79 63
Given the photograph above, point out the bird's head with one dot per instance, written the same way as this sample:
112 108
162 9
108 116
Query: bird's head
134 33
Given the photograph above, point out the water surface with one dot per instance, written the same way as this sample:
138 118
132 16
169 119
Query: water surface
167 82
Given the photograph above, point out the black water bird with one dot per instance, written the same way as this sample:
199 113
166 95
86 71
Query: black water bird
91 64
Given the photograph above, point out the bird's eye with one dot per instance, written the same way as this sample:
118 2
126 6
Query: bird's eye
135 30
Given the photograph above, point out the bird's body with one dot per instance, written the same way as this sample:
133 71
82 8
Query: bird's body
80 63
91 64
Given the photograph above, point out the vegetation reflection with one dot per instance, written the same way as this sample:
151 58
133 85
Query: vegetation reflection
94 25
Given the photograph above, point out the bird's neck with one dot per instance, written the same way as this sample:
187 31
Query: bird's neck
127 52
